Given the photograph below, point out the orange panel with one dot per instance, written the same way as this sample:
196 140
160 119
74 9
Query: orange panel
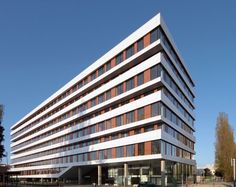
113 152
147 111
148 147
146 40
146 75
113 62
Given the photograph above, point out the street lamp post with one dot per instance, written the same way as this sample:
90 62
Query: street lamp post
233 164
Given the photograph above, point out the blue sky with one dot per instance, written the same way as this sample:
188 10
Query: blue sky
44 44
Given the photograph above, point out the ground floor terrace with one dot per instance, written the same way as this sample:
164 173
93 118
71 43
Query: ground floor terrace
159 172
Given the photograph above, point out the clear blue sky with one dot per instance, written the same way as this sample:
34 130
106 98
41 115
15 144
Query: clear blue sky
44 44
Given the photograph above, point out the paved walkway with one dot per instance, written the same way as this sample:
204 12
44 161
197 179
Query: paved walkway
215 184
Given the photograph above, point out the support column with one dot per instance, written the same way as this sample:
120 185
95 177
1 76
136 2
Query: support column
125 174
163 173
99 175
79 176
51 180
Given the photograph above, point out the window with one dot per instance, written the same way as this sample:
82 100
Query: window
155 35
156 147
108 154
108 95
93 102
86 80
155 109
108 66
119 89
141 149
130 150
140 44
155 72
101 126
119 121
140 113
101 155
119 58
100 70
129 84
100 98
108 124
93 76
129 51
140 79
119 152
130 117
149 128
93 155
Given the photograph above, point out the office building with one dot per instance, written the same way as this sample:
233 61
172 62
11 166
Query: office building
127 118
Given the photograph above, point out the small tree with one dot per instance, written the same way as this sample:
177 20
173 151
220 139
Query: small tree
2 150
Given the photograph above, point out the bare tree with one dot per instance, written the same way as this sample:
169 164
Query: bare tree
224 147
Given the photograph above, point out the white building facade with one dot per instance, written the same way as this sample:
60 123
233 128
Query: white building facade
127 118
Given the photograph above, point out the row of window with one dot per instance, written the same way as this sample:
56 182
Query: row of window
129 84
121 88
187 90
178 106
171 150
43 171
176 120
159 34
77 122
175 88
145 148
175 134
127 53
129 117
113 136
81 144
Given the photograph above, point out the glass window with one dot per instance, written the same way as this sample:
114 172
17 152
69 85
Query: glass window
93 75
108 95
102 126
119 89
93 102
100 98
155 35
155 72
155 109
108 66
100 70
140 44
119 121
129 84
156 147
130 150
108 153
141 149
140 113
147 129
108 124
119 58
101 155
86 80
140 79
119 152
93 155
129 51
130 117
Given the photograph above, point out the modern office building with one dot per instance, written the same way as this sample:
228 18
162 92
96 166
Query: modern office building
127 118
